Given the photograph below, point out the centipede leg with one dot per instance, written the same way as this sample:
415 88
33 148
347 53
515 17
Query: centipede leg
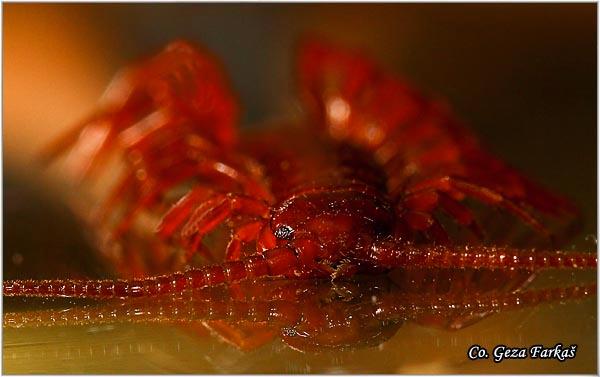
489 196
420 205
266 239
458 188
181 210
91 150
155 186
220 208
210 214
244 233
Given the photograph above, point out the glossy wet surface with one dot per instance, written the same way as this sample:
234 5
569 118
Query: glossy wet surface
194 347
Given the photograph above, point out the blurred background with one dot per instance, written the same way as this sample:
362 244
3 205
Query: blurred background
522 75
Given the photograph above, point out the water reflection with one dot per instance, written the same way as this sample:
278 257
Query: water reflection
312 316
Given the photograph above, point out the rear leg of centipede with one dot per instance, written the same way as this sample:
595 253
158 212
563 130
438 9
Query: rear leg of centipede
196 222
153 186
454 190
417 211
425 222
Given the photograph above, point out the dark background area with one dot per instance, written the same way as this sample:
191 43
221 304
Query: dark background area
522 75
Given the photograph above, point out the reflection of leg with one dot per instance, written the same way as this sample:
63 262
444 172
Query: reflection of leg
245 336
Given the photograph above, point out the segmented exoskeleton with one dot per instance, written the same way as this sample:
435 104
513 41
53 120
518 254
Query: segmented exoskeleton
359 190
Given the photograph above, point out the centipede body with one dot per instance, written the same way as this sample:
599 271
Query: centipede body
357 187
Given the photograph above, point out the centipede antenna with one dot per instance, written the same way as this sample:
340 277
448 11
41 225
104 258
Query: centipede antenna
393 254
273 263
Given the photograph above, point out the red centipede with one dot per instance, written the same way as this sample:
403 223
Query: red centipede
372 180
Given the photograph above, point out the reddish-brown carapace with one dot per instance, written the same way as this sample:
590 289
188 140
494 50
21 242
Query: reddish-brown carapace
372 180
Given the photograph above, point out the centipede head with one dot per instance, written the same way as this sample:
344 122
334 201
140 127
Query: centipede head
329 226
